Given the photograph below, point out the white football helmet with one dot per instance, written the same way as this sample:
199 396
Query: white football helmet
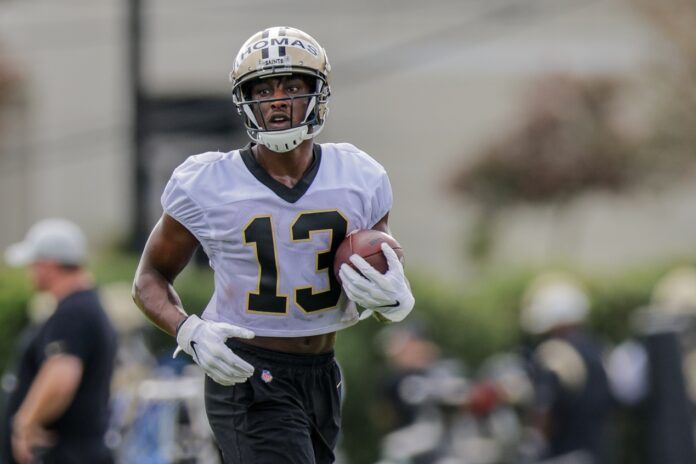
676 291
279 51
551 300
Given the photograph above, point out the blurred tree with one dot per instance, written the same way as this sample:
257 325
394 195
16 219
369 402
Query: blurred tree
9 78
677 20
676 116
10 90
576 135
566 144
570 140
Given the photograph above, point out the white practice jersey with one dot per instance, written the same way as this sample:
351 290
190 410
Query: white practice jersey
271 246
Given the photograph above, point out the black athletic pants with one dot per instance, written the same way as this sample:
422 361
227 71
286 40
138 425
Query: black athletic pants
287 412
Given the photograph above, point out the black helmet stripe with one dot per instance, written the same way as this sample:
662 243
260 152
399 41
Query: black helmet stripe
275 32
264 52
281 50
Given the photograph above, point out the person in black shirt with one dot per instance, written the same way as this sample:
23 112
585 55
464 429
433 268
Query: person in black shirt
58 410
408 351
573 401
653 374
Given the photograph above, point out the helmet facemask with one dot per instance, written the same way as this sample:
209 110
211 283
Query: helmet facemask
282 140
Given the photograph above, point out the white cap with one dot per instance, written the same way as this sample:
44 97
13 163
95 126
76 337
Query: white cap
56 240
551 301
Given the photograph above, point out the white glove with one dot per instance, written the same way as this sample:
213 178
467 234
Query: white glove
205 342
386 294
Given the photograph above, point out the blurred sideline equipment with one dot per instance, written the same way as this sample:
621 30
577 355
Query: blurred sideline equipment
458 418
58 408
440 414
157 410
163 421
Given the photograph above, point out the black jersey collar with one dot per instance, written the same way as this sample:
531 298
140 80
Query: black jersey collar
291 195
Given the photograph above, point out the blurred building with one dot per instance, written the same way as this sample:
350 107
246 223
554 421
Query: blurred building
419 85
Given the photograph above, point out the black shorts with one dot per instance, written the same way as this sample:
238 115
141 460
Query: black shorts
289 411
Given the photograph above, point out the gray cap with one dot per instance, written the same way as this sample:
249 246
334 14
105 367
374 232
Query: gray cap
56 240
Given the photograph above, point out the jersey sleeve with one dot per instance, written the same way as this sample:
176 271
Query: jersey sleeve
382 199
70 332
178 203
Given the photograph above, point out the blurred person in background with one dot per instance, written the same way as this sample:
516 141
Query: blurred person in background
408 351
421 397
39 308
573 401
58 409
655 373
270 217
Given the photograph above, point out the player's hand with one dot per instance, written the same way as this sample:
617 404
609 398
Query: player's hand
387 294
205 342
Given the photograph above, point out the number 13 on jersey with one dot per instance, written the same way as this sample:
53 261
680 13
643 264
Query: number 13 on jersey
260 234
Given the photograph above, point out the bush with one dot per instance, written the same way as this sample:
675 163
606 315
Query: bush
14 296
471 325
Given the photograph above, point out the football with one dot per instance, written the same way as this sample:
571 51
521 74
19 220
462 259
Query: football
366 243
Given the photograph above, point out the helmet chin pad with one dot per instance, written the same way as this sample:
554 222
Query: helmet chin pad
285 140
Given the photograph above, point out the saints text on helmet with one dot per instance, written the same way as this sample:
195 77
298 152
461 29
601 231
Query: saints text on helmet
284 61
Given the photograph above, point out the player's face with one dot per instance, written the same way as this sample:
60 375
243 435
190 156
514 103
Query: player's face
282 103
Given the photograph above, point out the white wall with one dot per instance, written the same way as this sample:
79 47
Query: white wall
74 151
420 85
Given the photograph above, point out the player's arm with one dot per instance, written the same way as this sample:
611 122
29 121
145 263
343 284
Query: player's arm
389 295
49 396
167 251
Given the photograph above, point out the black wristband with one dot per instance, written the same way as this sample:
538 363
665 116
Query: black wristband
181 322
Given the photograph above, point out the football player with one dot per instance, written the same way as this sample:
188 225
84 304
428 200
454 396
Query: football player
572 404
270 217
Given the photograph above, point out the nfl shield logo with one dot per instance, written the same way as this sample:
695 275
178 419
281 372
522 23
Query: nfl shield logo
266 375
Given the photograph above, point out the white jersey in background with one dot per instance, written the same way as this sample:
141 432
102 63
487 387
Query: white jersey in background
271 246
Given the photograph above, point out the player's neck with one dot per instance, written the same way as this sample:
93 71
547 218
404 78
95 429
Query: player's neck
287 168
